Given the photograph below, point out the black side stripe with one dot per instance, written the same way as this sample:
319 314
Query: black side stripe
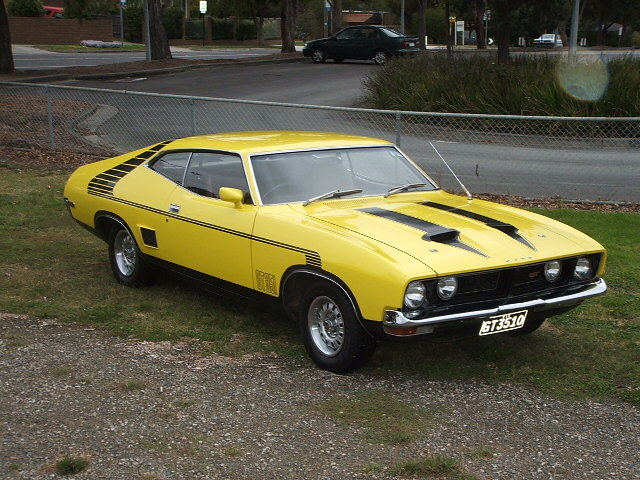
434 232
105 182
311 258
505 228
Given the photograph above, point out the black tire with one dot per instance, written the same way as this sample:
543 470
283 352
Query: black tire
530 325
380 57
127 262
331 332
318 55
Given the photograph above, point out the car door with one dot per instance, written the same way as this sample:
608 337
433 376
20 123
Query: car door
341 44
203 233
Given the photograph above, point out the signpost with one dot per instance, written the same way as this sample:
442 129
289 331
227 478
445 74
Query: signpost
203 10
123 5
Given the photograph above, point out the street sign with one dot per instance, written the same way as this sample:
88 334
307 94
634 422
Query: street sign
203 6
123 3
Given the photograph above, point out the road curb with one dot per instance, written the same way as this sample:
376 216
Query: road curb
152 71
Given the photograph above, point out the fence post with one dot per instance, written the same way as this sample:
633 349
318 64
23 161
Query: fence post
398 128
193 116
52 141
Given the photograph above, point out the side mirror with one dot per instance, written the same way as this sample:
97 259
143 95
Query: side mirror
232 195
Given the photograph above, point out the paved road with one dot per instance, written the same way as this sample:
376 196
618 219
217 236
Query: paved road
28 58
328 84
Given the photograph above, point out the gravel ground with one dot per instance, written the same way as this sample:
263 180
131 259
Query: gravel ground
140 410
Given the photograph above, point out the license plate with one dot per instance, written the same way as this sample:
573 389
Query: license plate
503 323
411 44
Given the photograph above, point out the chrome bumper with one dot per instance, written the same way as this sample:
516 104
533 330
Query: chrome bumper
395 318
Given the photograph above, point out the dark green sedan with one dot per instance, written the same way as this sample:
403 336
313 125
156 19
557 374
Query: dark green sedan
362 42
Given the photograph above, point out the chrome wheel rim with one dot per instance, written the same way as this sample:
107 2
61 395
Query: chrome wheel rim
380 58
124 251
326 326
317 55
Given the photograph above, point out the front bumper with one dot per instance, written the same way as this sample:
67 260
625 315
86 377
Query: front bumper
395 319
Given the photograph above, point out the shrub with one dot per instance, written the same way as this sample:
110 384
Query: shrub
71 465
172 21
246 30
472 83
222 29
25 8
133 19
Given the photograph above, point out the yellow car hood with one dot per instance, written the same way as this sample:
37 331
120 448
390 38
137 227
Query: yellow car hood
451 234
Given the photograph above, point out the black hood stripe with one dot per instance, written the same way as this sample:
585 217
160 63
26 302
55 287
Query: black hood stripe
505 228
434 232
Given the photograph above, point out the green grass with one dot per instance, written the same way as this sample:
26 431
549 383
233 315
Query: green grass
71 465
385 418
433 467
52 268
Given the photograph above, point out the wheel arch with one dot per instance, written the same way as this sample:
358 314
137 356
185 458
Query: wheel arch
297 278
105 222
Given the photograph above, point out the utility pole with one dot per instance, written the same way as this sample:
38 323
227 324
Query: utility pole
573 40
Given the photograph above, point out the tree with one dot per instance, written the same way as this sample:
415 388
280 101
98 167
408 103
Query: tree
25 8
288 25
6 56
157 36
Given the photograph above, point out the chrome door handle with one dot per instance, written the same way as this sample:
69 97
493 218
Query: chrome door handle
173 208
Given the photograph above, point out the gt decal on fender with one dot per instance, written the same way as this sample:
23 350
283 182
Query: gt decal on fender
503 323
266 282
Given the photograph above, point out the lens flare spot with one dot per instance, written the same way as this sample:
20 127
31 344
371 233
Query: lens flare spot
584 79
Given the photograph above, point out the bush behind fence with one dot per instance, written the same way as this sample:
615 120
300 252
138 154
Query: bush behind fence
593 159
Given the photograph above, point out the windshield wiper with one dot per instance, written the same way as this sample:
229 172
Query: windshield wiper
332 194
404 188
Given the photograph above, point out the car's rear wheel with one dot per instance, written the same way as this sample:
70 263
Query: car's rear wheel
331 332
318 55
380 57
127 263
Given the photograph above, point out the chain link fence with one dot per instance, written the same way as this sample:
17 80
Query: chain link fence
590 159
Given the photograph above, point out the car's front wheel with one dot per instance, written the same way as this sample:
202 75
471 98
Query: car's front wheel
331 332
380 57
127 263
318 55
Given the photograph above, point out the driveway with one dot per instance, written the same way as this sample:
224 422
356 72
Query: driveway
139 410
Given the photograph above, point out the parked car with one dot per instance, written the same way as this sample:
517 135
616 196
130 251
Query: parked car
363 42
52 12
354 240
548 40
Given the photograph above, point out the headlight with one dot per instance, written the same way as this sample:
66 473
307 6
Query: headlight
552 270
447 287
583 269
415 295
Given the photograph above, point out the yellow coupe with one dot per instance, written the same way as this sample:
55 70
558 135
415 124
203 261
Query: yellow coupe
351 236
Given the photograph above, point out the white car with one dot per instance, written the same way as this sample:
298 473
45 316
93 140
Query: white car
548 40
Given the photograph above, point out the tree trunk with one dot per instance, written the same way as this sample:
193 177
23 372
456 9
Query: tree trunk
336 16
478 15
447 14
422 24
288 25
6 56
159 41
259 23
503 43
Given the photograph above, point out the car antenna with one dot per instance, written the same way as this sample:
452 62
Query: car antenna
469 196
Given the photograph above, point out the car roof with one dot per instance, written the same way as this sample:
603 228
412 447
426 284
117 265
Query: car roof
273 141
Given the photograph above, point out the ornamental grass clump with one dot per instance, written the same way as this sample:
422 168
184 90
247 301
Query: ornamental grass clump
476 83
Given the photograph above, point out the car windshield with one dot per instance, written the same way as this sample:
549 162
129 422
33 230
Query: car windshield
301 176
548 36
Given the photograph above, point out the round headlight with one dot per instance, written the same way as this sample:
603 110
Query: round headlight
447 287
552 270
415 295
583 269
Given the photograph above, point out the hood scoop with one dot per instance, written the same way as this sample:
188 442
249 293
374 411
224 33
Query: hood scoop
503 227
434 232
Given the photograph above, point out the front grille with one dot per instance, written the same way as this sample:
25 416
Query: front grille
498 287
